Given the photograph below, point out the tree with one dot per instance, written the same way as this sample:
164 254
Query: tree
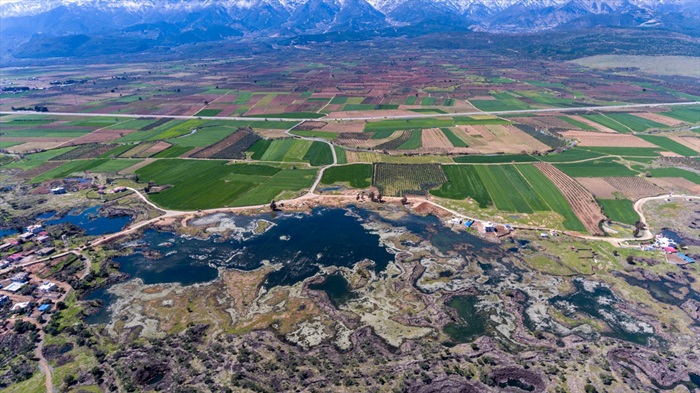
273 205
404 200
371 196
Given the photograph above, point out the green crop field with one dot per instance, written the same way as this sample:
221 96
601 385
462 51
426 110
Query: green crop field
133 124
576 123
339 100
340 155
383 134
636 123
208 112
236 184
30 161
502 102
95 122
675 172
117 151
463 181
319 154
427 101
495 159
619 210
670 145
387 106
626 151
525 189
203 137
503 192
412 124
258 149
607 122
686 114
551 195
428 110
69 168
604 167
173 151
5 145
411 100
413 141
575 154
356 175
113 166
291 115
44 133
454 139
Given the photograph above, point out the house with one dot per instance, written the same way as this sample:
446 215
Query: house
544 235
4 299
43 239
58 190
47 287
686 258
36 228
44 307
4 263
20 277
19 307
119 189
15 257
5 247
15 286
670 250
46 251
489 227
26 236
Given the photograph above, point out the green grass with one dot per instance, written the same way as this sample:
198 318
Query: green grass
204 136
291 115
317 134
69 168
243 98
259 148
670 145
428 110
449 102
626 151
604 167
388 107
453 138
686 114
114 166
675 172
382 134
412 124
356 175
44 133
5 145
619 210
502 102
319 154
576 123
504 193
551 195
427 101
575 154
359 107
495 159
208 112
463 181
96 122
33 160
133 124
339 100
173 151
607 122
340 155
411 100
635 123
235 185
413 142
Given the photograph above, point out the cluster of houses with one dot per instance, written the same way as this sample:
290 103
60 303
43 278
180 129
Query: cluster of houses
672 250
116 190
14 250
15 301
484 227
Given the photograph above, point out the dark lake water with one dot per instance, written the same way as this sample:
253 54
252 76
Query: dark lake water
337 288
91 221
471 322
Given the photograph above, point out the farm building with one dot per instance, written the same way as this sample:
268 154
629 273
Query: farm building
686 258
58 190
36 228
4 299
20 277
4 263
44 307
15 286
46 251
15 257
5 247
119 189
26 236
19 307
43 238
47 287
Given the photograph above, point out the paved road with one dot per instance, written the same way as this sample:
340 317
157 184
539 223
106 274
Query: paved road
361 118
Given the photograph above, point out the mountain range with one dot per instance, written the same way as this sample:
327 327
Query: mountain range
174 22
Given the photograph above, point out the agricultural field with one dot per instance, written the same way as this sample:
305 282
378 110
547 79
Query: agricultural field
292 150
670 145
604 167
355 175
407 179
619 210
68 169
232 147
236 184
463 182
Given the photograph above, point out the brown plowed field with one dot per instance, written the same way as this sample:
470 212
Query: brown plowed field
589 138
581 201
634 187
677 185
659 118
598 187
434 139
593 124
34 146
38 170
217 147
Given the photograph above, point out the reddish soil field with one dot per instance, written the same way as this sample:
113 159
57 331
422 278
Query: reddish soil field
588 138
593 124
45 167
34 146
598 187
634 187
692 142
581 201
435 139
659 118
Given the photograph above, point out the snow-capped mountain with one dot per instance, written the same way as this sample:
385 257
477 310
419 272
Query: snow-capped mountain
172 22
